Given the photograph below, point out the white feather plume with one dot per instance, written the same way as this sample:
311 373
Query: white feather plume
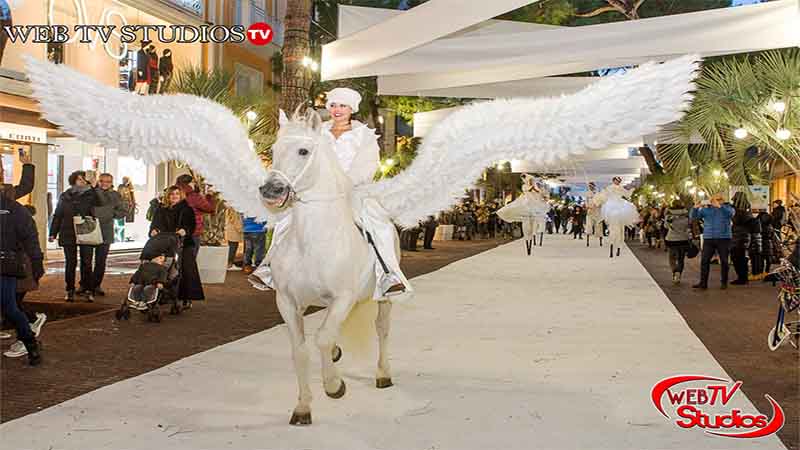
157 128
615 110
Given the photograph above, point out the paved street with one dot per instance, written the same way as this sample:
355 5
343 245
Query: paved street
500 350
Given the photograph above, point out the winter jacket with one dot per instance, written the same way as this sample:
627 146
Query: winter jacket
26 180
18 236
778 216
742 226
110 206
149 273
72 203
770 244
716 221
200 205
677 222
173 218
251 226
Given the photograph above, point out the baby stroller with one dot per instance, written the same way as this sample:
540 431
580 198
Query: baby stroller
168 244
788 276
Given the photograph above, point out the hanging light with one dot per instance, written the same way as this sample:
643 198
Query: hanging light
692 190
380 120
390 162
717 173
306 61
779 106
701 194
783 134
689 183
251 115
740 133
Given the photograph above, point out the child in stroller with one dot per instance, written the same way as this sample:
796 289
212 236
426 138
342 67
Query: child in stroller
156 279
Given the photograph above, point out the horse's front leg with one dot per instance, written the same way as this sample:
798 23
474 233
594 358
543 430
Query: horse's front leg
382 325
294 322
326 341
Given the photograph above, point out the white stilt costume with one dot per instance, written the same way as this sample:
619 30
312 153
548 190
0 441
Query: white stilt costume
594 217
617 212
530 209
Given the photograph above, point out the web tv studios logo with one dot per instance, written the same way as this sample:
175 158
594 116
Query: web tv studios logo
259 33
705 407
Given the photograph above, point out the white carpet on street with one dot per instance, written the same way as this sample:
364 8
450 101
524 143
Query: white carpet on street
499 351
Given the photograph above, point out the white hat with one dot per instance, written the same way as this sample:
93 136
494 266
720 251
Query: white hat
344 96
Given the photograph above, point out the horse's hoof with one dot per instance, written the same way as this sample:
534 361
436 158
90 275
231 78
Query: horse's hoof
339 393
337 353
300 419
383 383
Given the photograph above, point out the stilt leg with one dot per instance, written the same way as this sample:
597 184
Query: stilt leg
383 379
541 238
587 240
529 246
601 241
611 253
617 251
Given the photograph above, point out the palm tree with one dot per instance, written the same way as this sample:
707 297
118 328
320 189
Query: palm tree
296 80
747 109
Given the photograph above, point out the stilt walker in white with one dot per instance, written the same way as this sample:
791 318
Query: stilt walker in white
530 209
325 255
594 217
617 212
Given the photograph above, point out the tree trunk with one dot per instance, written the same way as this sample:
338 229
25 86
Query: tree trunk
652 163
296 79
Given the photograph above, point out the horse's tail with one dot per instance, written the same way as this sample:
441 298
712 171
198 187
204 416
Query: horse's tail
358 335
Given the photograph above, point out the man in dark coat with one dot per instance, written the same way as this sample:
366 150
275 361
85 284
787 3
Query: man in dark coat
18 235
79 200
109 208
430 231
778 215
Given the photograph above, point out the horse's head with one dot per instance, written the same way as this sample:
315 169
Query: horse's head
302 162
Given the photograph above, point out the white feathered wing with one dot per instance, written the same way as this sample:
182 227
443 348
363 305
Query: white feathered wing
157 128
615 110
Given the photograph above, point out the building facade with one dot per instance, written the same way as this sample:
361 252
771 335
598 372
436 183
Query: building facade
56 154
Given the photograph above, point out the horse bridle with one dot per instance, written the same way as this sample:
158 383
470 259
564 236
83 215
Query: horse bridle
292 194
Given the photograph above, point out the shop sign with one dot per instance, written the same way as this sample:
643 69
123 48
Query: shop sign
106 19
23 134
758 195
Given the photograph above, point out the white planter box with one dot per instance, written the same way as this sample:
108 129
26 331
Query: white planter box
212 262
444 233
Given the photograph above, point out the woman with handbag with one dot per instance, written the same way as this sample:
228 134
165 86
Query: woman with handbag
678 238
72 225
174 215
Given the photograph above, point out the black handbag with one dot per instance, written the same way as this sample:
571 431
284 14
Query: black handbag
693 250
10 265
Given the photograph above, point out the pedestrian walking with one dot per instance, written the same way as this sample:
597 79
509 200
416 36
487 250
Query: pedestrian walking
110 207
174 215
255 237
18 235
678 238
77 201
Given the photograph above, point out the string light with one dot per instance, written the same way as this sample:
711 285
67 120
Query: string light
701 194
251 115
717 173
783 134
390 162
779 106
692 190
689 183
740 133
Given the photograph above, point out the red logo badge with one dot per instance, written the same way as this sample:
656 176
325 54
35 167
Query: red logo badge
260 33
692 406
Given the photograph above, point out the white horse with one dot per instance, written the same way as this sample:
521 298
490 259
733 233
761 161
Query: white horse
336 273
325 260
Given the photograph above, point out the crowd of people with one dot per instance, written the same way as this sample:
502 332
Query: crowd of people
719 231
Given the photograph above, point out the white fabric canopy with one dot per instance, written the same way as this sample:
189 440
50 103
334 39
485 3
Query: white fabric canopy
411 29
505 52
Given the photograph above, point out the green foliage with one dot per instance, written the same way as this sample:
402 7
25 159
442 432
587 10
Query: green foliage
740 91
549 12
406 152
405 107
